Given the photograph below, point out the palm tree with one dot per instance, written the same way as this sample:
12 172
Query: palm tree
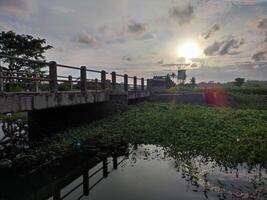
173 75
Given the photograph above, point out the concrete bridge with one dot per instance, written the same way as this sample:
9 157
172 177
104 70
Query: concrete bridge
37 91
57 98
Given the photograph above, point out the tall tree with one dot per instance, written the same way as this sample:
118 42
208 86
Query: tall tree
239 82
22 46
193 81
173 75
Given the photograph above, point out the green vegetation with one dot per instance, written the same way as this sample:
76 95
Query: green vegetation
229 136
247 90
248 97
178 89
228 90
242 97
14 116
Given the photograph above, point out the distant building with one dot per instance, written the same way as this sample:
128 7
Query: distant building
161 83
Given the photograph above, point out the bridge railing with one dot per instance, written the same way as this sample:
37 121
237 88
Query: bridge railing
53 78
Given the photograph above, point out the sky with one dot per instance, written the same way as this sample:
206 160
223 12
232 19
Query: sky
144 37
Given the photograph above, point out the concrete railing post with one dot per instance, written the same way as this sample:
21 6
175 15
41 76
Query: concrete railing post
135 83
83 78
86 183
142 84
96 84
53 76
115 162
71 83
105 167
148 85
1 81
113 80
103 80
125 82
57 195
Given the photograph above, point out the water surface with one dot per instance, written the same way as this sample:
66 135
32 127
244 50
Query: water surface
149 173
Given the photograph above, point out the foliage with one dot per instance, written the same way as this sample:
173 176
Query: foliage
193 81
22 46
14 116
169 82
226 135
239 82
183 89
173 75
250 101
247 90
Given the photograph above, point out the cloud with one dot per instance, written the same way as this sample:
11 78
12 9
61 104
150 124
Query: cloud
18 8
127 58
259 56
136 28
262 24
116 41
224 47
62 10
230 44
59 49
147 36
4 26
103 29
161 62
182 15
194 65
88 39
210 32
213 48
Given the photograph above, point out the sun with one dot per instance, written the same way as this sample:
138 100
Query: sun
189 50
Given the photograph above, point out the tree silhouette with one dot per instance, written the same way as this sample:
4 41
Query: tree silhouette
239 82
193 81
173 75
22 46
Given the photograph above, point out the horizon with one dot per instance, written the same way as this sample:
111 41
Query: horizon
221 40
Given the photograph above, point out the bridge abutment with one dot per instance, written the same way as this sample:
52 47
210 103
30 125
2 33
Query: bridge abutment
47 122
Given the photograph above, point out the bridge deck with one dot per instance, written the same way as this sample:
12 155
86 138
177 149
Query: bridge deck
17 102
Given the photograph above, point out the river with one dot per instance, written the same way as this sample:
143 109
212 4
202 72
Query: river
140 172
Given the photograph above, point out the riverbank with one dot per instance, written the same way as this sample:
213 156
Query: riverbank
226 135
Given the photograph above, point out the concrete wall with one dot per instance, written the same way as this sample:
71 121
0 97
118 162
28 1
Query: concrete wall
15 102
179 98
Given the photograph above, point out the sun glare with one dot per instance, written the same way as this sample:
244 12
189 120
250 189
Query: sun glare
189 50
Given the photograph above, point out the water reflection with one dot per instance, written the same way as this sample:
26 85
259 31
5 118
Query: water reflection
144 172
161 176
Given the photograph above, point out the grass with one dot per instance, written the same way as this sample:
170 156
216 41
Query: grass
229 136
246 90
183 90
229 90
243 97
14 116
